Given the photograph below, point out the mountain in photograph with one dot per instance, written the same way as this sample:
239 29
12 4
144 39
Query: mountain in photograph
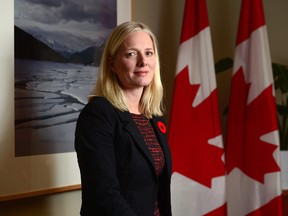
28 47
53 44
90 55
37 47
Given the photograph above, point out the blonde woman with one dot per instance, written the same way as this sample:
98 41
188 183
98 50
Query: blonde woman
120 137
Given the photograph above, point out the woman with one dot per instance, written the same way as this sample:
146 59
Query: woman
120 138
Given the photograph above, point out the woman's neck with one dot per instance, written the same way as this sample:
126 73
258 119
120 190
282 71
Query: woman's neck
133 100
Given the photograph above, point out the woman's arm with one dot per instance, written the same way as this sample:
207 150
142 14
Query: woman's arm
94 145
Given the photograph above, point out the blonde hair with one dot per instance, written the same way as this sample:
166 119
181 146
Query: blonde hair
151 102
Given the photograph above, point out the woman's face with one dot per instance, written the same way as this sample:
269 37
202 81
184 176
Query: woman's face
135 61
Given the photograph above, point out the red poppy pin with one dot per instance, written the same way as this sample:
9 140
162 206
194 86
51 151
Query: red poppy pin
162 127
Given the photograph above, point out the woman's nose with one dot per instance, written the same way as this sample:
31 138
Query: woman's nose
142 64
142 61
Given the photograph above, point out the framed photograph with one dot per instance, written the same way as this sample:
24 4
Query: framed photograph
49 60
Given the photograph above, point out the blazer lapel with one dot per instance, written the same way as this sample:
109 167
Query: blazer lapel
131 127
161 133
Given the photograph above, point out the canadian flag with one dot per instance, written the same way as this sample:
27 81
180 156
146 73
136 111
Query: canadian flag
252 150
195 137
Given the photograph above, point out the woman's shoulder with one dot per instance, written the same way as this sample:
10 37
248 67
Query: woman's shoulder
99 101
98 104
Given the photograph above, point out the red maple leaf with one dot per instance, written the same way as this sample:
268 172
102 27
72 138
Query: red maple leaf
190 130
246 124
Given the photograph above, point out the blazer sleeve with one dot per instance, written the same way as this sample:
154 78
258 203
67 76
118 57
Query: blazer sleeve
94 137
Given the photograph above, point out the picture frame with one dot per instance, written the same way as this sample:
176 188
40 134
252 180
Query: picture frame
35 175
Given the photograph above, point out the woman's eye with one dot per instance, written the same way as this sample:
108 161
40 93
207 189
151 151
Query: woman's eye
130 54
149 53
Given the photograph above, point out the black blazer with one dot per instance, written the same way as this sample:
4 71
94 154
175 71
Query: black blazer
117 171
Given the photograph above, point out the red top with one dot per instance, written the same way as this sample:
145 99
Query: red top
146 129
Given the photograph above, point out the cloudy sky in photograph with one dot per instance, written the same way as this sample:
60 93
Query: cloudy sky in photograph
77 24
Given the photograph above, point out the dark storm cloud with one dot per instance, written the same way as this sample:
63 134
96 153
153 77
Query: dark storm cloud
48 3
56 11
91 11
74 23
